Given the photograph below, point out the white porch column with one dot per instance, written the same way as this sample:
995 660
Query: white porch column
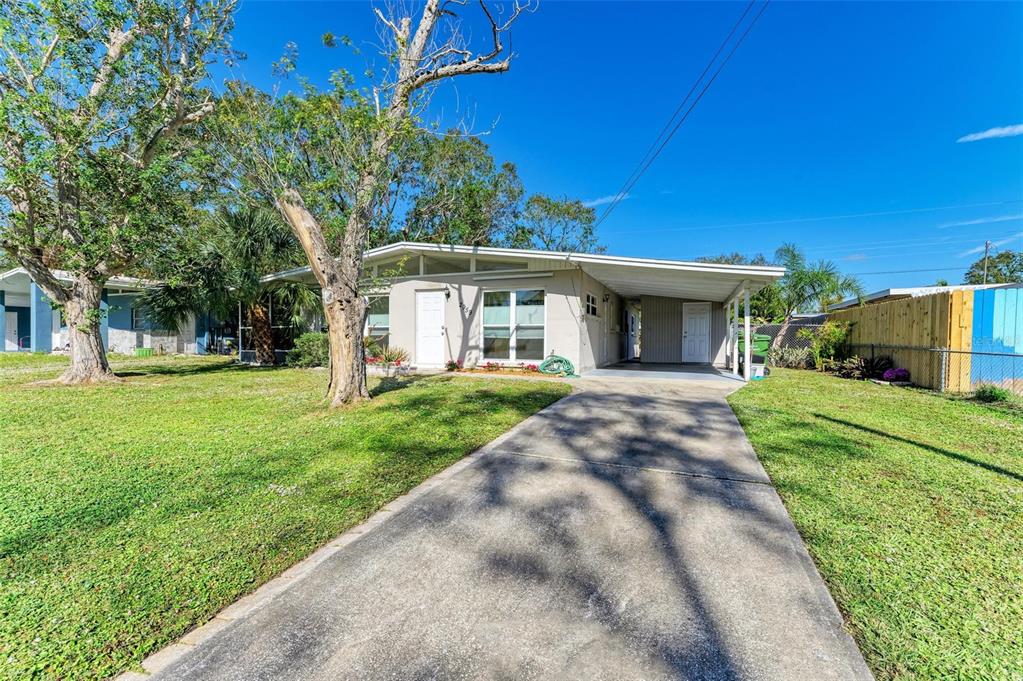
748 354
734 309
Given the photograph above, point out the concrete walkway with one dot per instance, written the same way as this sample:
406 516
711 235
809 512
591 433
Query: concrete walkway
626 532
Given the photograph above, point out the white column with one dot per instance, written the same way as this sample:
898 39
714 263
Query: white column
748 355
734 309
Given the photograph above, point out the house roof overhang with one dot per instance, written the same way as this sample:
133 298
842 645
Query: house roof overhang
19 279
629 277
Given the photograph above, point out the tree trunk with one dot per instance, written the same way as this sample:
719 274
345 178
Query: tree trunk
82 314
262 333
343 306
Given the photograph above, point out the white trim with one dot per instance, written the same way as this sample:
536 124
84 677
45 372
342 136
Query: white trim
495 277
763 272
512 358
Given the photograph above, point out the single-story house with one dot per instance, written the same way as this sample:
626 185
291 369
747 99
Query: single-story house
476 305
29 324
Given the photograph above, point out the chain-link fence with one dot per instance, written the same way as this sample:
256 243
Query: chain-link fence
946 370
940 369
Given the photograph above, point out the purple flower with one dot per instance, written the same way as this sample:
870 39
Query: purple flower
896 375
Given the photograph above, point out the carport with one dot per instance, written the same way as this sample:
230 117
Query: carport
690 313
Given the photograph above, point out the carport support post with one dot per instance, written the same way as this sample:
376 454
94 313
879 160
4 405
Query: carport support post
734 308
748 354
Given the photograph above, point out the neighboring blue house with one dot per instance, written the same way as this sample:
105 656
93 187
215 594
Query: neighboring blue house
29 324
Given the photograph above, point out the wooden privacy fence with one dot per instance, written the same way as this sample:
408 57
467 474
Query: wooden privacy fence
914 332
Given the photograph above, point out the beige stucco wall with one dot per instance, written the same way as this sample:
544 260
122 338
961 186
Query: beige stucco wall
602 341
462 312
662 330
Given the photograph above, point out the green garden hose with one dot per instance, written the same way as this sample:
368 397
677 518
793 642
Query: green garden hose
556 365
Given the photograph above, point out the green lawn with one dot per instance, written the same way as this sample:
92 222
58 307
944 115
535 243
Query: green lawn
911 504
130 513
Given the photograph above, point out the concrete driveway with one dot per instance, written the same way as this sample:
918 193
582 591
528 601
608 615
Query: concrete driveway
626 532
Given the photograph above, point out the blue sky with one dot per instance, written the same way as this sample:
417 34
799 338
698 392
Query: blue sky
826 110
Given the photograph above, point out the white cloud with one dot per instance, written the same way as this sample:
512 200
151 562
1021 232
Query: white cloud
983 221
1005 131
603 200
994 244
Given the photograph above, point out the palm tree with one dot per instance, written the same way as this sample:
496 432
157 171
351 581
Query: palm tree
223 270
811 287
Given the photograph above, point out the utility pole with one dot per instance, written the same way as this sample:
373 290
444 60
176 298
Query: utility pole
987 249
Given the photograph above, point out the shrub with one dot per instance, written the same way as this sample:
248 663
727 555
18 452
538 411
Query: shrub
393 355
825 341
791 358
876 366
311 350
853 367
896 375
370 346
987 392
452 365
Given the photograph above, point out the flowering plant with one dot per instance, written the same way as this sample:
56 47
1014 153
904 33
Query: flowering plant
452 365
532 368
896 375
491 366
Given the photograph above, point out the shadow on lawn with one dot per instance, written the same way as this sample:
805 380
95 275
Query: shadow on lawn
187 369
931 448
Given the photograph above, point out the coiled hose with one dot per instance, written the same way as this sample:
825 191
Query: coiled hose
556 365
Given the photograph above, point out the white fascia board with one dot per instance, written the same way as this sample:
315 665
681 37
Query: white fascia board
763 274
769 272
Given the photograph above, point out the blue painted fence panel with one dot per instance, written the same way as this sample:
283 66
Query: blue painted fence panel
997 328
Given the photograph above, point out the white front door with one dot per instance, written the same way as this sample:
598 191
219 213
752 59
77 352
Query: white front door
430 328
11 332
696 332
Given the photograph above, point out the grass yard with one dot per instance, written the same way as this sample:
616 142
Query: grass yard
911 504
130 513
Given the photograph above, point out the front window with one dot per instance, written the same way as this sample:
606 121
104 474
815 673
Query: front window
138 319
378 320
591 305
513 325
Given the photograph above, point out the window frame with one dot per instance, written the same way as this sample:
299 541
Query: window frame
512 325
138 323
595 305
386 337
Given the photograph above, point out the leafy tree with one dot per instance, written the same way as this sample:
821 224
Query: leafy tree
93 97
1004 267
557 225
766 304
328 160
457 193
222 268
941 282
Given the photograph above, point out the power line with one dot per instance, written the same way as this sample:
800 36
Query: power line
820 218
929 269
681 104
643 166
